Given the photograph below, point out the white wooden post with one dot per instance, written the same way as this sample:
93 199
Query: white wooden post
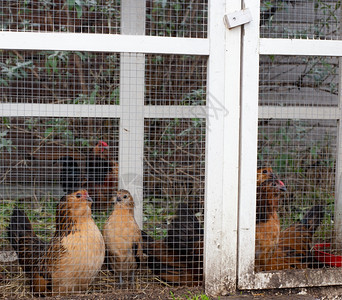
132 74
338 180
222 151
248 142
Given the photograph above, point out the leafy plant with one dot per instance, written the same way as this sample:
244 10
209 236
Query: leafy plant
14 69
5 144
190 296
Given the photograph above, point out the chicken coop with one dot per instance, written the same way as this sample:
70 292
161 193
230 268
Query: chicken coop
166 143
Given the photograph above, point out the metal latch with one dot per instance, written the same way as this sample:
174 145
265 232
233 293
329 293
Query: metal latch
238 18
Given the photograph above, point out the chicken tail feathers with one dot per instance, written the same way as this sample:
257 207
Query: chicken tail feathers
168 265
313 218
184 231
24 241
70 177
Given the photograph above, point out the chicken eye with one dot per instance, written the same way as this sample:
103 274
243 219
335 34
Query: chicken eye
264 171
125 197
78 195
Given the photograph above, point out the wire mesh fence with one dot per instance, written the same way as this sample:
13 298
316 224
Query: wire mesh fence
61 16
301 19
176 18
298 81
59 77
295 221
55 166
175 80
69 220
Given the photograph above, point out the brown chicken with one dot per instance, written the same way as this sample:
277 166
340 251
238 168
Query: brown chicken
122 237
294 248
178 258
264 173
267 220
102 177
172 268
74 256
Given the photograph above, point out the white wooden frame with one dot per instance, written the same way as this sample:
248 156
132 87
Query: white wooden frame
222 150
252 48
232 117
221 113
131 130
103 43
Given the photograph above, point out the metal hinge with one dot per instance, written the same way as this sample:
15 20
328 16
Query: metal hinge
238 18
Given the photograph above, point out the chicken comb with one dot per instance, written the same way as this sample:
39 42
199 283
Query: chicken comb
102 143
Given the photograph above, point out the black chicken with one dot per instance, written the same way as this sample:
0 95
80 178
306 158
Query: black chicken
70 176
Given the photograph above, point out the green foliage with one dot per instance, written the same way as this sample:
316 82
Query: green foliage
190 296
42 217
69 12
6 208
157 216
176 18
5 143
55 60
326 19
13 69
195 97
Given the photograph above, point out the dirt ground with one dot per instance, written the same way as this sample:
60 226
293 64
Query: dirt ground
153 290
324 293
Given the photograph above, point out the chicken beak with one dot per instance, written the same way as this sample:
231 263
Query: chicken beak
90 199
282 186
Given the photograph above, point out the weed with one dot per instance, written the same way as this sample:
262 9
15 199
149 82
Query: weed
190 296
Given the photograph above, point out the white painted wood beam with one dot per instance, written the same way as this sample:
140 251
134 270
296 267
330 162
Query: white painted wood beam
103 43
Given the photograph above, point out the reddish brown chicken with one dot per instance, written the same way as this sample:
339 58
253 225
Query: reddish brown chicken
267 220
294 248
263 174
74 256
178 258
122 237
102 176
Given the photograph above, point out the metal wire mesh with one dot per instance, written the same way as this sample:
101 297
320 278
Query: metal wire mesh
301 19
298 81
298 153
177 18
34 153
44 157
59 77
93 16
175 80
174 194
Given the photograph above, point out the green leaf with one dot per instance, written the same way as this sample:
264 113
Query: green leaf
79 11
92 98
3 133
71 3
3 82
48 131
